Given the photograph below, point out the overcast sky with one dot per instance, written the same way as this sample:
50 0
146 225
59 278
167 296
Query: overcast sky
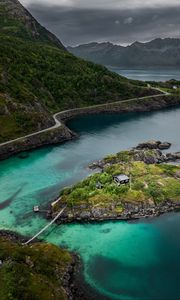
118 21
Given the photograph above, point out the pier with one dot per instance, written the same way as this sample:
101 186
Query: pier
45 228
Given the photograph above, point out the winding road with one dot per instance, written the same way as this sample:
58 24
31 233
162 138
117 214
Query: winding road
57 115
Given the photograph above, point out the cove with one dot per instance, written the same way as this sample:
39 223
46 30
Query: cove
121 260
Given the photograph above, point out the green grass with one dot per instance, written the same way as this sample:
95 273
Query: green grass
37 75
155 183
32 272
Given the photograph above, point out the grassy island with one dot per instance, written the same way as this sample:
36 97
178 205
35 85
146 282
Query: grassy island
152 186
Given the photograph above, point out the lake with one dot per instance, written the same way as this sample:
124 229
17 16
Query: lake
121 260
148 74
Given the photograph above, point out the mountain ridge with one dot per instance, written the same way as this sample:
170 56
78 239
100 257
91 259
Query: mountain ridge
12 10
158 52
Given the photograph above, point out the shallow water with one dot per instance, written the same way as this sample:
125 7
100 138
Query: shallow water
122 260
128 260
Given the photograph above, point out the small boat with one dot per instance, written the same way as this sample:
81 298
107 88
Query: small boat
36 209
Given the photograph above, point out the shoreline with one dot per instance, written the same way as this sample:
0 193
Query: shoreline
125 209
127 216
73 281
63 134
68 280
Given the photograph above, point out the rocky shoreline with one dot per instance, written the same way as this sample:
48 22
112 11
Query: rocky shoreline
63 133
132 212
148 153
71 285
55 136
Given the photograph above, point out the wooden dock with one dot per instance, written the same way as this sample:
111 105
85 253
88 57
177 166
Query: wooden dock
45 228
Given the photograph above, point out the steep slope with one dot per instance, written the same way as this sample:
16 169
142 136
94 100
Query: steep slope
159 52
38 77
15 20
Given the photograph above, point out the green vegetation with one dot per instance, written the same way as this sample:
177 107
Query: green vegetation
32 272
38 77
171 86
150 183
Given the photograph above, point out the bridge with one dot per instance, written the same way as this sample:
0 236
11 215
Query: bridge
45 228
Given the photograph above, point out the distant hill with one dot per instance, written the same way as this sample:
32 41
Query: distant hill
159 52
38 76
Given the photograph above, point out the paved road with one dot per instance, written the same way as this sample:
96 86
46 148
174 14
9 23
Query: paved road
57 116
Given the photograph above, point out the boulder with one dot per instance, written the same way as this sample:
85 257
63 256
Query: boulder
154 145
164 146
177 174
149 144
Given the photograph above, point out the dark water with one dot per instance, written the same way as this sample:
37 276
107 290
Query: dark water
121 260
149 74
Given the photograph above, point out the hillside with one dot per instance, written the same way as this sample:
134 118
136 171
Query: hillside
39 77
159 52
32 272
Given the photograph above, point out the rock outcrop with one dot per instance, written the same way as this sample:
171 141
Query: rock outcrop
13 9
147 152
131 212
154 145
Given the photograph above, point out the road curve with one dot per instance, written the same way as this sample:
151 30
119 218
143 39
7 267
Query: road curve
57 116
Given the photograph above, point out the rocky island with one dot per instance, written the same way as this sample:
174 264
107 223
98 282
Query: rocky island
152 187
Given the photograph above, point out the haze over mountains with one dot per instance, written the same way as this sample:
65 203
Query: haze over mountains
156 53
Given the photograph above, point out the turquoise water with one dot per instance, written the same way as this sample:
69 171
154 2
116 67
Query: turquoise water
148 74
128 260
121 260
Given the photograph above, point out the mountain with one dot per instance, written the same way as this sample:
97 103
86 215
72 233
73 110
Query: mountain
157 53
38 76
15 20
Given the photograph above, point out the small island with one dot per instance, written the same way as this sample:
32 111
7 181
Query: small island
137 183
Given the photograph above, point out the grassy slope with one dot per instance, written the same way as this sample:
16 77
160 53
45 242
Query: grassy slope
38 78
32 272
150 183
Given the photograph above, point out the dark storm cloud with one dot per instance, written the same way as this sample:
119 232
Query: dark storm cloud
123 26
